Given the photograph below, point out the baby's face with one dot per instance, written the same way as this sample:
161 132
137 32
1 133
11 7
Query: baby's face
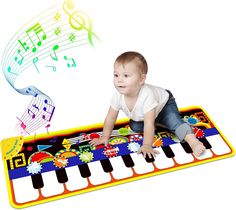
128 79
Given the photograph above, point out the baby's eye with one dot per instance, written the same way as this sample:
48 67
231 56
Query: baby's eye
115 75
126 75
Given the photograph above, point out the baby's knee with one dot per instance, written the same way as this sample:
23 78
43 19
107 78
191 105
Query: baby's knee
136 126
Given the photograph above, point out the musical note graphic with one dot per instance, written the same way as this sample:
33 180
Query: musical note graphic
19 61
57 31
33 110
36 30
73 64
54 56
36 107
37 40
53 68
31 113
47 126
31 91
9 70
71 37
49 110
23 125
57 17
35 60
79 20
53 140
24 45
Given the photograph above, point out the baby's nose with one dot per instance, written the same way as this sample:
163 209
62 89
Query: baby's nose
120 79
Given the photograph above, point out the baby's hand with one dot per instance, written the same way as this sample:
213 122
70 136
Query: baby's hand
147 150
97 141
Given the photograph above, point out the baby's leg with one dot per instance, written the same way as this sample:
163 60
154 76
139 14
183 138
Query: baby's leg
197 146
171 118
136 126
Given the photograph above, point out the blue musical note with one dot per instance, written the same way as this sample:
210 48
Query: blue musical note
31 91
49 110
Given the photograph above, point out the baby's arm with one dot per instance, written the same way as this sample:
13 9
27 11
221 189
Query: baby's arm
107 128
149 121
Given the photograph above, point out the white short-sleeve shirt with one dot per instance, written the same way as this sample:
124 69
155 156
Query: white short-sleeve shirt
149 97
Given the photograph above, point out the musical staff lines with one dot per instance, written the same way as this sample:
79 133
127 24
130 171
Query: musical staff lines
56 30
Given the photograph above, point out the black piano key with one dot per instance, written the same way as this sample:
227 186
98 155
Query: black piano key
128 160
148 159
106 165
205 143
37 181
168 151
186 147
84 170
61 175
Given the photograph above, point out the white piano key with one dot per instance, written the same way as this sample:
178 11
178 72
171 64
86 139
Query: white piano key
51 184
140 164
206 154
98 176
219 147
24 190
161 161
181 157
120 171
75 180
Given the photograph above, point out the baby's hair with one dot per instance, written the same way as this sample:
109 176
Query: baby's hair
139 60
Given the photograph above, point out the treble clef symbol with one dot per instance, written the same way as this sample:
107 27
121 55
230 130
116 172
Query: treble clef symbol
77 20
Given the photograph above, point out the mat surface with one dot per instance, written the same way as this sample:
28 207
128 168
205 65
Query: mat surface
61 164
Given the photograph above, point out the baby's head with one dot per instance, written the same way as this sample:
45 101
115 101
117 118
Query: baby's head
134 57
130 71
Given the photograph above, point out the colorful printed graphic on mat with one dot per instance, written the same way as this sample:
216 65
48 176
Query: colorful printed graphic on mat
63 164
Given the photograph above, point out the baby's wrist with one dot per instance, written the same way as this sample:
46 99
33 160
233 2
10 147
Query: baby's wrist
105 136
147 145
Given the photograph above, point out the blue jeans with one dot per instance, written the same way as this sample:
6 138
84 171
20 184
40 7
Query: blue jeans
170 118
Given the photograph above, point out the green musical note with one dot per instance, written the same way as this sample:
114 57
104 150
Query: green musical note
73 64
53 68
54 56
37 30
24 45
19 61
9 70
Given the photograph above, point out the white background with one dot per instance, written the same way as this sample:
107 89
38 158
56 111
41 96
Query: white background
190 47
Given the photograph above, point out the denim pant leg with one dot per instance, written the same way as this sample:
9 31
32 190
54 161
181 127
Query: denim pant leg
170 117
136 126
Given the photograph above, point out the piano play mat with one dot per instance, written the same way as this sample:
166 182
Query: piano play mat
55 165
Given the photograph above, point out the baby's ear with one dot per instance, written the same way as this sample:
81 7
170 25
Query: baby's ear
143 78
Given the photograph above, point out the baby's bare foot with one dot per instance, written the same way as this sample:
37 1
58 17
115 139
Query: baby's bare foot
197 147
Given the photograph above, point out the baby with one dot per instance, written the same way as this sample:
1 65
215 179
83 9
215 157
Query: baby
146 106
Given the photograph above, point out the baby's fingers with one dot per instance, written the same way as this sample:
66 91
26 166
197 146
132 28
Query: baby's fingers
156 152
151 154
93 143
139 151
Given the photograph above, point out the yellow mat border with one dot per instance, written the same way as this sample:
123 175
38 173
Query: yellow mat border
118 182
